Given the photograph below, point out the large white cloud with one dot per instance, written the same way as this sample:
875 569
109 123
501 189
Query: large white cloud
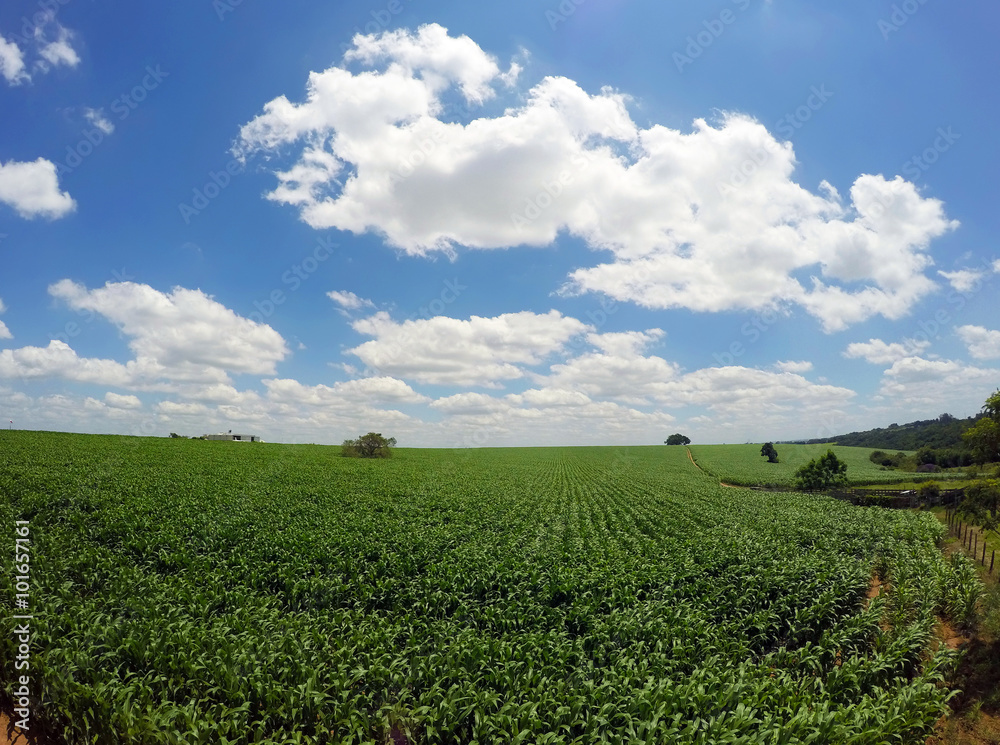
32 189
451 351
708 220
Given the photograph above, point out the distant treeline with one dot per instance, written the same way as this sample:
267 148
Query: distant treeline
945 432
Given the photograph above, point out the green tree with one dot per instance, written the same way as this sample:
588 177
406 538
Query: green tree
825 472
992 406
981 504
769 452
372 445
983 438
678 439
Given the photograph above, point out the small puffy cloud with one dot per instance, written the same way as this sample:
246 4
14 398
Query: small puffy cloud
4 331
983 343
49 43
32 189
879 352
348 300
12 62
681 225
99 120
54 43
963 280
118 401
793 366
450 351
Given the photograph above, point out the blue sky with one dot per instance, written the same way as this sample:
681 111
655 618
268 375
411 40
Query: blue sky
521 223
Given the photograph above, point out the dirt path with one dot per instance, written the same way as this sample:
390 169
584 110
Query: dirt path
18 739
695 464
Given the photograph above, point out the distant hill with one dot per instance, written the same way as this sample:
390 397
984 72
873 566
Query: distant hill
943 432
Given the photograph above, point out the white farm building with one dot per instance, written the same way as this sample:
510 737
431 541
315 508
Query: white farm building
232 437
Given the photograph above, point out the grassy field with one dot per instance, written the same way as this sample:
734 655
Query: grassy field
744 465
211 592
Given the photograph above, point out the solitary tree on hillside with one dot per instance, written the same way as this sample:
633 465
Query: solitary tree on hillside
372 445
678 439
769 452
825 472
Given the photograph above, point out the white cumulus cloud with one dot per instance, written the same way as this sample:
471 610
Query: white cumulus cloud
99 120
983 343
118 401
963 280
793 366
32 189
12 62
879 352
4 331
348 300
54 42
680 222
451 351
186 334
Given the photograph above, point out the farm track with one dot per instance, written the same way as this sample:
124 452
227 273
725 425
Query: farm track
695 464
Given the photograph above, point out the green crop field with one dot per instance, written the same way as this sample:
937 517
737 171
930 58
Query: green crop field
211 592
744 465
